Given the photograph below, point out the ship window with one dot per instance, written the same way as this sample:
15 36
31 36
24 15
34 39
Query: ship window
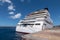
24 25
37 24
48 22
43 12
45 17
30 24
45 24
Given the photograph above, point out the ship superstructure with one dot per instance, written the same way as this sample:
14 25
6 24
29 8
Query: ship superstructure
35 22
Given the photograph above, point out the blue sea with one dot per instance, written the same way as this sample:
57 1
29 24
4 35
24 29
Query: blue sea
9 33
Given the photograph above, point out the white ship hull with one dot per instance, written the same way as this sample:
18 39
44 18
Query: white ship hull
29 29
37 24
34 28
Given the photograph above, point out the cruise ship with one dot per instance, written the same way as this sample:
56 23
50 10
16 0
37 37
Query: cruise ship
35 22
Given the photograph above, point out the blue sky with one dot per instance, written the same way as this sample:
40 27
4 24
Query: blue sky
11 11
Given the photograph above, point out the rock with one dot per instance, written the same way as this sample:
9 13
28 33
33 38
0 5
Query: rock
43 35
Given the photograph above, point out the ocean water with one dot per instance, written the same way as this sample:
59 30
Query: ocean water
9 33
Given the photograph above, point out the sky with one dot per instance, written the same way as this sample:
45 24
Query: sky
12 11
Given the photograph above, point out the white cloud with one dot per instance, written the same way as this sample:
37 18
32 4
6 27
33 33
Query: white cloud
8 1
22 0
0 0
11 7
25 0
18 15
11 12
